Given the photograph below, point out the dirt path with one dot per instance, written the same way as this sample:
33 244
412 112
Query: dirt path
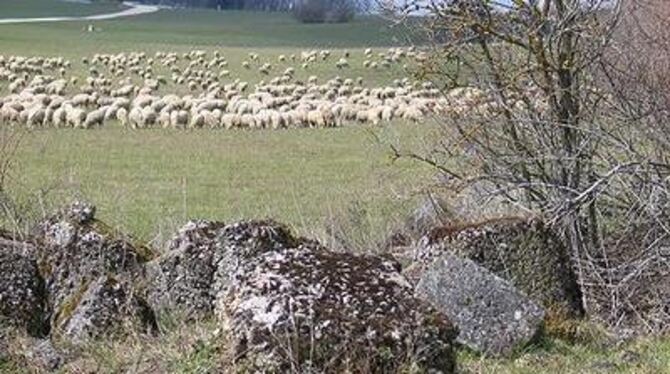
133 10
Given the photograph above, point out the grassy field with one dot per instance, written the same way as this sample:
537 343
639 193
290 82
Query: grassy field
149 181
54 8
234 34
180 30
650 356
196 348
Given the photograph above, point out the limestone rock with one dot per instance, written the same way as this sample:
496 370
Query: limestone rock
182 279
22 289
75 251
491 315
522 251
104 306
196 270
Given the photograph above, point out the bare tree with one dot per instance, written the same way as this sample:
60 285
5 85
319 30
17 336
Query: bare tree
563 121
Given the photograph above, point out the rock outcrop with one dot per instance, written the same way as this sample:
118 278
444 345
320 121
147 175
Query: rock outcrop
106 305
22 289
75 252
267 287
292 302
492 317
183 280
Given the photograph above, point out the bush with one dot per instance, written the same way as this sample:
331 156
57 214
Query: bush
567 118
320 11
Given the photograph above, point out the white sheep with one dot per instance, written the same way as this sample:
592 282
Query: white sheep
179 118
75 117
342 63
95 117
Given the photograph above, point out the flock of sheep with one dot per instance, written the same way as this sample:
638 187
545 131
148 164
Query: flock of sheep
127 88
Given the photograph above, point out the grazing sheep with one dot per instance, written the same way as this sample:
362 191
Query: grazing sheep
36 116
149 117
247 121
163 119
38 92
135 118
211 118
412 113
75 117
95 117
342 63
197 121
59 117
179 118
229 120
110 113
124 91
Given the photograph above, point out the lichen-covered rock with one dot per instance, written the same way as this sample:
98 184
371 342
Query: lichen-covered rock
491 315
245 240
293 304
22 289
105 306
75 250
196 270
522 251
182 280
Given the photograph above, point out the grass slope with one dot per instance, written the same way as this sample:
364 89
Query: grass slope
54 8
187 29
